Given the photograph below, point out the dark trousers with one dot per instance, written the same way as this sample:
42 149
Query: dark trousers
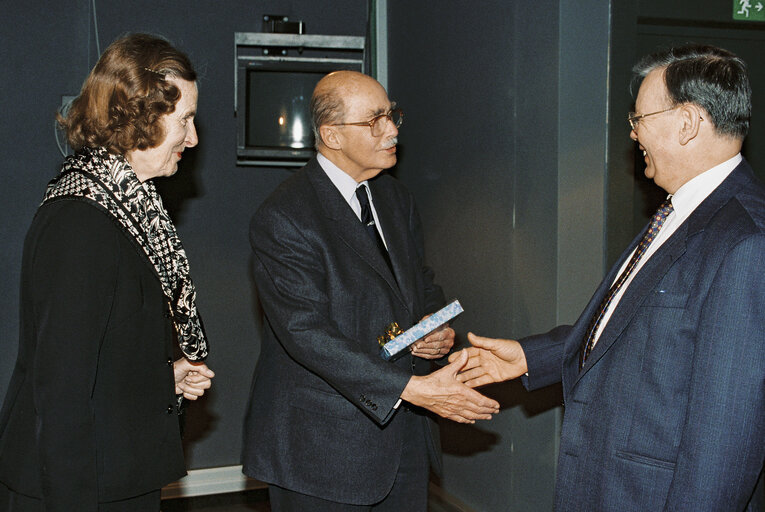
409 492
11 501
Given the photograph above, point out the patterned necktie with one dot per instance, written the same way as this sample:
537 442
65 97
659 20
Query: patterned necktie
368 220
653 229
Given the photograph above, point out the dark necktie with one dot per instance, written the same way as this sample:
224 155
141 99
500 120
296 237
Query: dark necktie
368 221
653 229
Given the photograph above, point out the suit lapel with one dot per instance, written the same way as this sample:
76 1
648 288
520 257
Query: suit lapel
571 372
644 281
347 227
395 228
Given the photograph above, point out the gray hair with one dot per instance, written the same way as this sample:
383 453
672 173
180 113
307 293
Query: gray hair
326 108
710 77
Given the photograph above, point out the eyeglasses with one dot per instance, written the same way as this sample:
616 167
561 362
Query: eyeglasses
378 123
633 119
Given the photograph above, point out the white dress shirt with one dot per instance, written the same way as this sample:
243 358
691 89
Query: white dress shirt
684 201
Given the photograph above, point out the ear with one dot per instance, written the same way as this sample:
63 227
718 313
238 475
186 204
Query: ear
329 136
691 116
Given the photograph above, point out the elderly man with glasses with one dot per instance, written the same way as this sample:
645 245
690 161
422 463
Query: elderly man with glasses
338 256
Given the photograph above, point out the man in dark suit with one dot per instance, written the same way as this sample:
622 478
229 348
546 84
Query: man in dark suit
331 425
664 372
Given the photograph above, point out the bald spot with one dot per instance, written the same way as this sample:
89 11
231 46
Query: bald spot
343 83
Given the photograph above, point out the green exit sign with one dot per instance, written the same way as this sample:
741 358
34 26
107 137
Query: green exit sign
749 10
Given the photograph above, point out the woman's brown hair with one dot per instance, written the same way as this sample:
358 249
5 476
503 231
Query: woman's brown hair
126 94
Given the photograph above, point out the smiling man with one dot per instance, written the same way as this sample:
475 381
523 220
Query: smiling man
338 256
664 372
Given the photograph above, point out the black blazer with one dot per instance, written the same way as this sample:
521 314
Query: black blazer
321 419
89 415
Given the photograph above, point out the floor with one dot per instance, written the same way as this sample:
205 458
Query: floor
250 501
257 501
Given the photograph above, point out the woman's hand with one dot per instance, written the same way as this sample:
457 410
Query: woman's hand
191 379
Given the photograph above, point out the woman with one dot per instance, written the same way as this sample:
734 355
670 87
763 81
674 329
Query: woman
90 419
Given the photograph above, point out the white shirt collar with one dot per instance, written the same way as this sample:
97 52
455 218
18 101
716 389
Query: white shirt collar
342 180
691 194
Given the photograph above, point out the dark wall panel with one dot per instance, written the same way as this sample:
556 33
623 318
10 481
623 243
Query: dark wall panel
478 83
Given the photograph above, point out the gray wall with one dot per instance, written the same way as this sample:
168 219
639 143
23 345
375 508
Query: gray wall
504 147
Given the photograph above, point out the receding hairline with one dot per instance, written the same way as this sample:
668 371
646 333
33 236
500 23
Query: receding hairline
343 83
343 78
660 72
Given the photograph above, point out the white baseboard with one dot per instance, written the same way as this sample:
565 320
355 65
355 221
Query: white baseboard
227 479
201 482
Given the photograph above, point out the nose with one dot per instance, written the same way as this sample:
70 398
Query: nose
633 134
391 129
191 135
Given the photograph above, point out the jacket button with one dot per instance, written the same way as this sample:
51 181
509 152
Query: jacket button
374 407
169 409
169 361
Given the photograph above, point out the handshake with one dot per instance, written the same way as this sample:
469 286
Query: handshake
448 392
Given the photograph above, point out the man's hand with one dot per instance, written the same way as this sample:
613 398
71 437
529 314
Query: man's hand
434 345
490 360
441 393
191 379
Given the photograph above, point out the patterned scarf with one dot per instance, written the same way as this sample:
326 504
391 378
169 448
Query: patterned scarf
109 181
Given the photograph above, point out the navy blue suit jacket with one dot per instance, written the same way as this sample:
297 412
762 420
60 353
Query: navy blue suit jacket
321 419
669 411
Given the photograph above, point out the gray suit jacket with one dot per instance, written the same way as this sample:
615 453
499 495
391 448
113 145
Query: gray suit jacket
321 419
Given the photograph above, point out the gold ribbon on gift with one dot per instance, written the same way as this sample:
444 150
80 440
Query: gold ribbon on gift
391 332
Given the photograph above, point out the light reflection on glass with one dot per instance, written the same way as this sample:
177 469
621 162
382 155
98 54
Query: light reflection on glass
298 133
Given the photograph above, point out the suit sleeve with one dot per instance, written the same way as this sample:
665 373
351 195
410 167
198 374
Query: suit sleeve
73 272
721 450
544 357
292 281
